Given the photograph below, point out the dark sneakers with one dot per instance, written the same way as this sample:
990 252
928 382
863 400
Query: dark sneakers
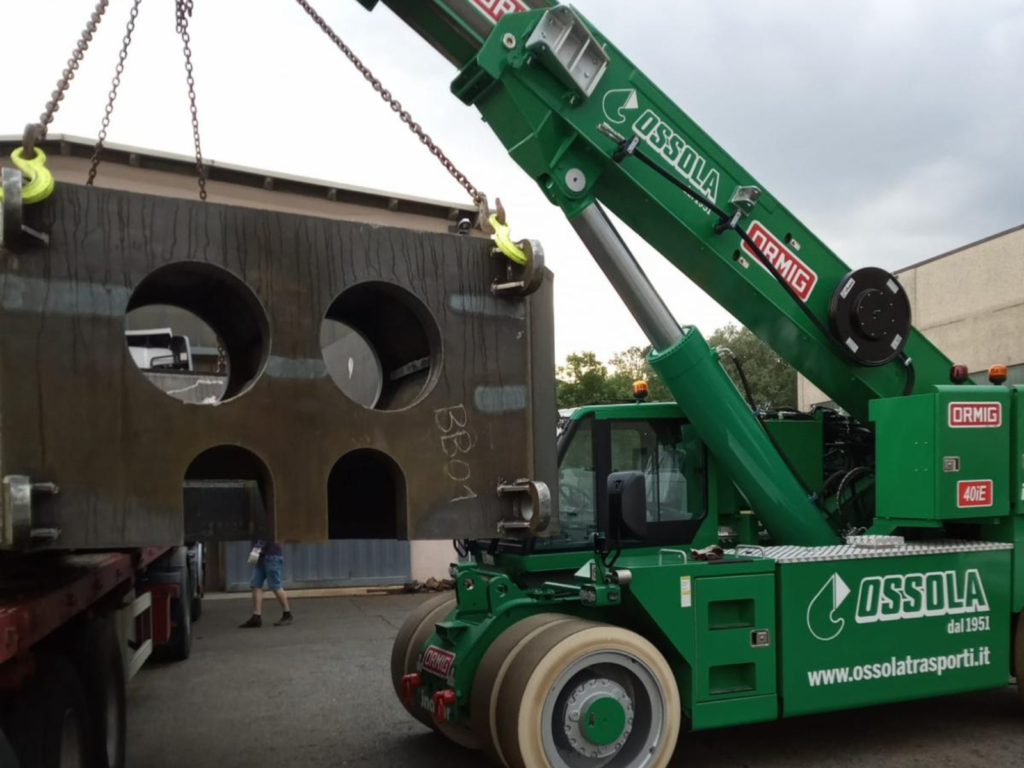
286 620
254 622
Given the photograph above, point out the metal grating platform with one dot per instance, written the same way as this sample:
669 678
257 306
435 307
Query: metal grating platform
866 549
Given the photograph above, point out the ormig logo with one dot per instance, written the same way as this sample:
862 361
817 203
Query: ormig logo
495 9
683 158
800 277
896 597
975 415
438 661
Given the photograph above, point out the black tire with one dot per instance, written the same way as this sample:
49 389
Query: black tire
197 607
179 645
7 757
50 715
97 655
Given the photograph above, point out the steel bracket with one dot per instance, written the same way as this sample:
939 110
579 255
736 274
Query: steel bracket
12 212
531 506
521 280
17 527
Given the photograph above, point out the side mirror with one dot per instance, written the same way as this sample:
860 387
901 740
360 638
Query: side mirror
627 506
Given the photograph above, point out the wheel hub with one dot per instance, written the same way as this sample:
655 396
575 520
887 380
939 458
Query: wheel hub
598 718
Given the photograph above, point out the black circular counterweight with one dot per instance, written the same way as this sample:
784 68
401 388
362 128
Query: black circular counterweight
870 316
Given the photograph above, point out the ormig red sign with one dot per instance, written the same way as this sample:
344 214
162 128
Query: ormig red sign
495 9
974 493
975 415
800 277
438 661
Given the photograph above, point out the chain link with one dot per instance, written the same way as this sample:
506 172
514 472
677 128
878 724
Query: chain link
66 77
114 85
396 106
183 9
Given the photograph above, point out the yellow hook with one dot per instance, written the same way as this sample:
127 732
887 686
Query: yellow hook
40 181
503 239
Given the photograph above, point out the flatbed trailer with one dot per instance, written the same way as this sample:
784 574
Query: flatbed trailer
74 629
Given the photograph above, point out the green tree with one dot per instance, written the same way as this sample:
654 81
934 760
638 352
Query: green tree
583 380
772 379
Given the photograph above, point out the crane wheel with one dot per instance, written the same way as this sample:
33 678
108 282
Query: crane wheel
580 694
416 630
400 650
487 682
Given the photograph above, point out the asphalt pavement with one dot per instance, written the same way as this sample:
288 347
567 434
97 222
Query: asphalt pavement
318 694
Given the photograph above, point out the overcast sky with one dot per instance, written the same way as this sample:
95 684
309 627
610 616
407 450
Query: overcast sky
893 128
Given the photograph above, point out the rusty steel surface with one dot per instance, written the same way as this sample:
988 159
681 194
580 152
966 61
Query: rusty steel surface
466 401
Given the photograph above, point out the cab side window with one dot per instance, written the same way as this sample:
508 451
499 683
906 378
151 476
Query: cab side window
670 456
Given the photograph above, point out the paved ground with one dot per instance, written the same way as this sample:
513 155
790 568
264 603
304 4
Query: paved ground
318 694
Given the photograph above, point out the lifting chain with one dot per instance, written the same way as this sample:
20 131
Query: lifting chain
34 133
183 10
396 106
114 85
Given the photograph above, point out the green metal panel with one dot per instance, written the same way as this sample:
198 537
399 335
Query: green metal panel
661 603
803 443
1017 451
869 631
722 714
1011 530
730 611
943 456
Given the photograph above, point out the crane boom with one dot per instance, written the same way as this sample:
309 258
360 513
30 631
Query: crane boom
585 123
551 128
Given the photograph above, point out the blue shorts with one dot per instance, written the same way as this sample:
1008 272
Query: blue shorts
268 569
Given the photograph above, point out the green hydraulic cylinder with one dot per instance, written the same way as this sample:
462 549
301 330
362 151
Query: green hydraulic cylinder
694 375
697 381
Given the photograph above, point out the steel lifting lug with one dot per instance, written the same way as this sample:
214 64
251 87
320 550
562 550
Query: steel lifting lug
443 700
18 529
531 505
521 279
12 211
410 683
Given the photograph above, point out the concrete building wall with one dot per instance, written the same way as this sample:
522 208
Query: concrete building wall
969 303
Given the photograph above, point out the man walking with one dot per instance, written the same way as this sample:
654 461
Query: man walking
267 560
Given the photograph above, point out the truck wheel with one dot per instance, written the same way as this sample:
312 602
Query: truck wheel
584 695
7 756
491 673
179 645
416 630
50 726
97 655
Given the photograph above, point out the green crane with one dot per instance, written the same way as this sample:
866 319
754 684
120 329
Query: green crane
886 568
